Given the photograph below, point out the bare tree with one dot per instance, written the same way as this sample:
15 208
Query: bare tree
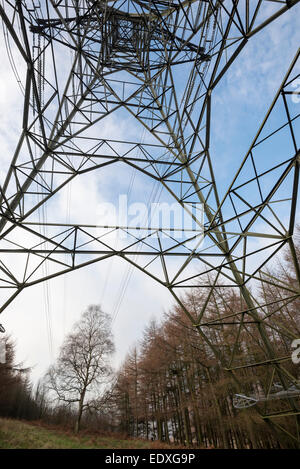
83 362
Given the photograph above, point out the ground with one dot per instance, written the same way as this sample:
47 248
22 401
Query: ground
15 434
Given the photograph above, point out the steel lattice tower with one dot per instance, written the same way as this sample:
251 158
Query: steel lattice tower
127 60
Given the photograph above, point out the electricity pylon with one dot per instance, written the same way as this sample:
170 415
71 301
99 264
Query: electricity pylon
155 63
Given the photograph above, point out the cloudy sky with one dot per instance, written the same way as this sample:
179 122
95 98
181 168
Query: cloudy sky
40 316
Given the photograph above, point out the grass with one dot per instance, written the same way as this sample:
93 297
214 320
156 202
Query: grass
15 434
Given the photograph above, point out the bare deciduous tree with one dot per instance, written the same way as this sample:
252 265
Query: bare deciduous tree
83 362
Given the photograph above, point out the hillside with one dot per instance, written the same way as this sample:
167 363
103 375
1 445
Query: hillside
16 434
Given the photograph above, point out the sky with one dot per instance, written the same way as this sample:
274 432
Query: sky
239 104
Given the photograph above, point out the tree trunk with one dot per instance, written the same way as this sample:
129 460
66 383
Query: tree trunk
79 415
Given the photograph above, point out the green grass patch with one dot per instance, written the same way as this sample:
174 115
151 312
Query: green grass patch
15 434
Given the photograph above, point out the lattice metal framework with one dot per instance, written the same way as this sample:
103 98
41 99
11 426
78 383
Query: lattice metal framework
241 402
129 59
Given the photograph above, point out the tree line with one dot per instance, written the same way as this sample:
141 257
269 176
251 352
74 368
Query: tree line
16 393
